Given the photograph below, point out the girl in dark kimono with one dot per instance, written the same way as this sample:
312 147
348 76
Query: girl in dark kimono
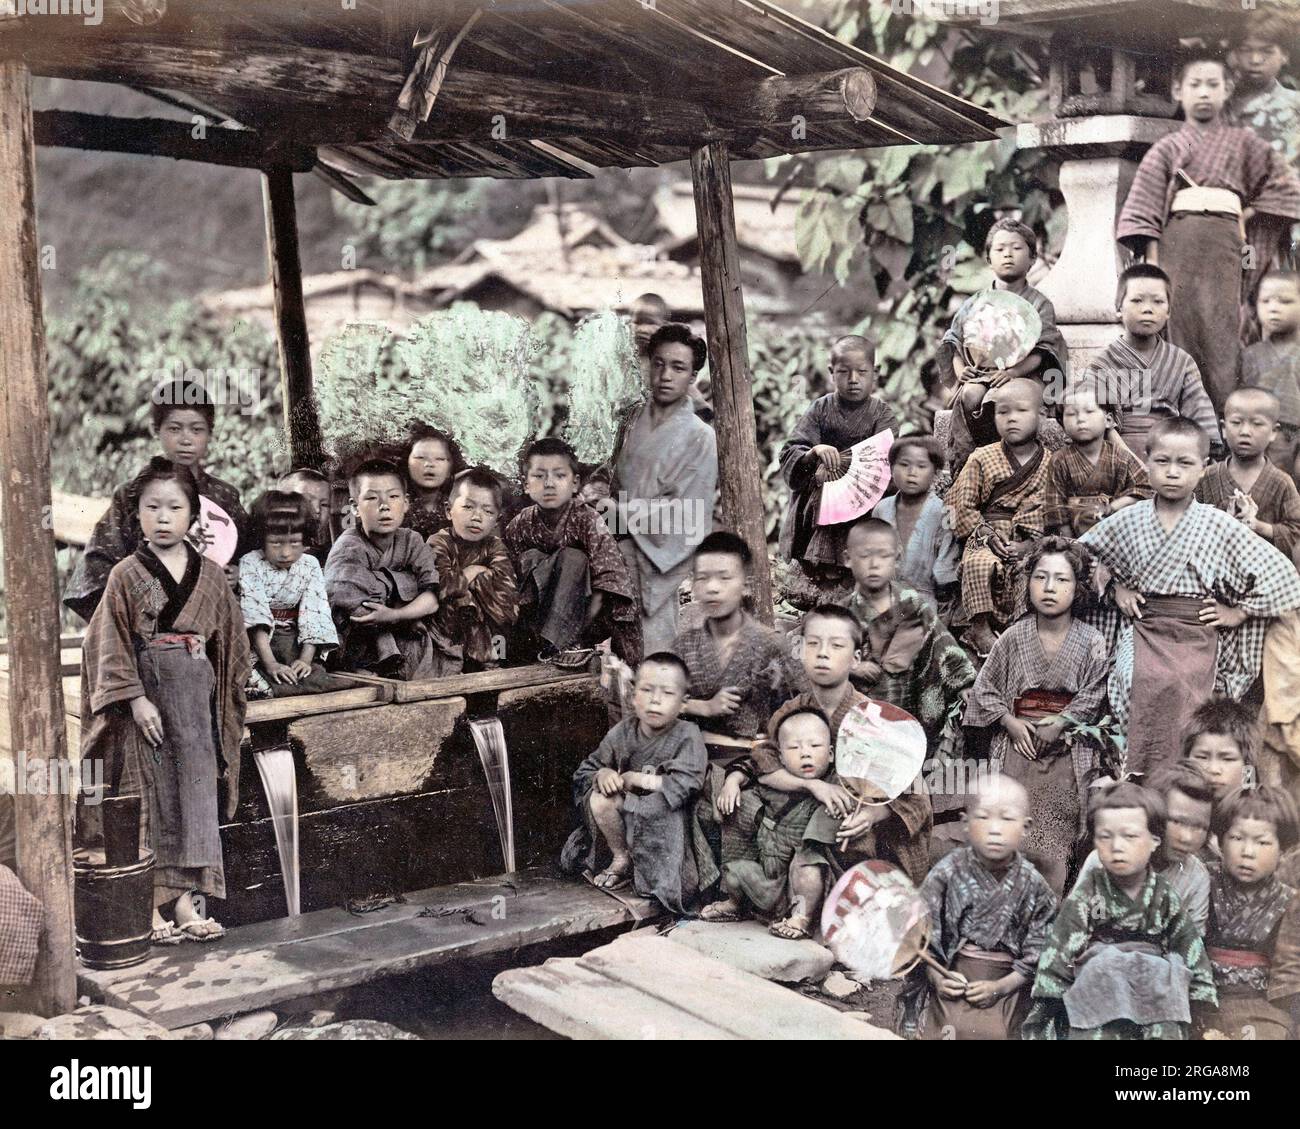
1253 937
431 460
164 663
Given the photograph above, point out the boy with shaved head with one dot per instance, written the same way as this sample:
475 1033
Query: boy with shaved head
996 507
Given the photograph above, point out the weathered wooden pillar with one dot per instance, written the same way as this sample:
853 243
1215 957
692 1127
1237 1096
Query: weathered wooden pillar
43 823
300 420
739 473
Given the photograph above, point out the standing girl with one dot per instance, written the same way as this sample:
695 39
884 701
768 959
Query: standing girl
1046 670
432 460
163 668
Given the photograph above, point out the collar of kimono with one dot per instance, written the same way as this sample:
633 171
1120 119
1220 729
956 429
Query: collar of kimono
177 592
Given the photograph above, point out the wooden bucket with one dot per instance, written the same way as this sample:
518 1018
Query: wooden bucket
114 909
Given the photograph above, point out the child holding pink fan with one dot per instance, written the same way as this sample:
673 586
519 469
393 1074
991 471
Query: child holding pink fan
818 452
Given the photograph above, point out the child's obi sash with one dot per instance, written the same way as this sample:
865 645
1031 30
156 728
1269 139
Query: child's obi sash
191 642
1239 970
1131 980
1208 201
286 619
1174 657
1034 705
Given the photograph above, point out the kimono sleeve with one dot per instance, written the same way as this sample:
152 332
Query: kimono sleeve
1286 525
254 599
1132 480
1066 939
796 466
1182 937
990 697
947 554
1284 975
966 496
1094 670
421 563
451 580
109 674
496 591
1057 489
1195 403
952 336
315 626
1273 187
1042 912
349 579
1110 542
112 540
603 756
934 889
681 777
1253 575
1143 215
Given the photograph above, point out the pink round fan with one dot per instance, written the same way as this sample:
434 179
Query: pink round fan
860 484
214 534
879 752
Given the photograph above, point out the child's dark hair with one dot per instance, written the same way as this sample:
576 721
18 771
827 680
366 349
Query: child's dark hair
1140 270
667 658
1276 28
306 473
1178 427
374 468
925 443
727 543
1224 718
1200 54
653 303
179 396
542 448
282 513
478 476
1184 777
1017 228
1265 802
837 612
160 469
1290 276
869 524
798 711
1121 796
1078 561
674 333
418 433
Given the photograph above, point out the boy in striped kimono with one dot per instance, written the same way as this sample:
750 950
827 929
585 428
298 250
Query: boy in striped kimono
1246 485
1195 589
1140 376
996 507
1199 196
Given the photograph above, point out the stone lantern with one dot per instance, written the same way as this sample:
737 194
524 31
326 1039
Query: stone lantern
1110 95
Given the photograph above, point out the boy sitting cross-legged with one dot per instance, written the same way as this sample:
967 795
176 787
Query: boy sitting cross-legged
1123 960
381 579
634 793
574 584
475 577
990 910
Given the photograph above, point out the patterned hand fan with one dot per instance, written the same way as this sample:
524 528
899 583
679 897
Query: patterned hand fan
213 533
999 330
875 922
860 483
879 752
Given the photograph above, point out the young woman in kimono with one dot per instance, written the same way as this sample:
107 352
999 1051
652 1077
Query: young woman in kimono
1047 671
1253 939
816 450
183 418
1122 960
431 460
990 910
1195 589
163 668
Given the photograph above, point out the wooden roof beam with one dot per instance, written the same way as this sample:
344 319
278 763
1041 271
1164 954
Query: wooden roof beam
158 137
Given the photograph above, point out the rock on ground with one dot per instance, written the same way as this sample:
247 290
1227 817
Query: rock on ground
347 1029
840 986
99 1022
749 947
196 1032
253 1025
20 1024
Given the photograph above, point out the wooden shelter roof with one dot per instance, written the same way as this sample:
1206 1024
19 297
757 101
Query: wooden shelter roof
576 85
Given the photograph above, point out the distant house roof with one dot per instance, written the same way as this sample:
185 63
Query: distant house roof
764 220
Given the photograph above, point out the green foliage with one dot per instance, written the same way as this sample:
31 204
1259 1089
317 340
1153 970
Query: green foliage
604 377
900 217
415 224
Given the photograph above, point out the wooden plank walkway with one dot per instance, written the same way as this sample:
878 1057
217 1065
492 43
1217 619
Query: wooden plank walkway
272 962
650 987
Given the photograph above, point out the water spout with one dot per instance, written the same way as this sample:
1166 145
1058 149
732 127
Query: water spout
490 740
280 783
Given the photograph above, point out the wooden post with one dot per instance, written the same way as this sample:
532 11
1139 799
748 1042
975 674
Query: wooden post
739 472
300 420
43 823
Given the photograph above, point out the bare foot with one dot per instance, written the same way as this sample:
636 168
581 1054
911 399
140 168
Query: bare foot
193 924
